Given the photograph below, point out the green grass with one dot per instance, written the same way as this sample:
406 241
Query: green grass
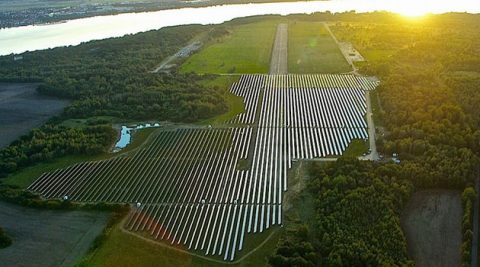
138 138
356 148
81 123
122 249
234 102
378 112
246 49
311 49
25 177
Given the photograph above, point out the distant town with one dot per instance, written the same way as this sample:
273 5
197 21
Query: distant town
49 13
17 18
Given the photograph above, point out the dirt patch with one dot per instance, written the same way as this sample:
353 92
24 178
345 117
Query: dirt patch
48 238
184 52
22 108
297 183
432 224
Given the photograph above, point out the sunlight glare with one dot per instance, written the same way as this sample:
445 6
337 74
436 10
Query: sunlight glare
419 8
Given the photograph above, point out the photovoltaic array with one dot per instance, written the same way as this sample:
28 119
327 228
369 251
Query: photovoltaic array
205 188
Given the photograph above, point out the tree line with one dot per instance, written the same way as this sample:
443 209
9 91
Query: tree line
52 141
429 98
357 205
111 77
108 78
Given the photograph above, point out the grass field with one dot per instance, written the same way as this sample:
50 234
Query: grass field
356 148
124 249
311 49
234 102
246 49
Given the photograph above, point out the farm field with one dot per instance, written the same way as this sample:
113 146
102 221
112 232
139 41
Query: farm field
311 49
246 49
432 225
46 237
20 110
186 184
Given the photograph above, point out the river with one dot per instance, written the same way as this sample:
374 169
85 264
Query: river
73 32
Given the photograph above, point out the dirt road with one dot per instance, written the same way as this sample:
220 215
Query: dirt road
184 52
371 131
279 61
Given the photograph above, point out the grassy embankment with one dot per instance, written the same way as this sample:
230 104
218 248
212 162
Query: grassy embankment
124 249
246 49
311 49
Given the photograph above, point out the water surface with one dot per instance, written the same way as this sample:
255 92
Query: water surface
74 32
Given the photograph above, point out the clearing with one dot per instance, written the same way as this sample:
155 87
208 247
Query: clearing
47 237
433 226
22 108
311 49
246 49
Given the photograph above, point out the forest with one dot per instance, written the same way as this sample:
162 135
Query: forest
52 141
357 206
428 114
108 78
427 111
111 77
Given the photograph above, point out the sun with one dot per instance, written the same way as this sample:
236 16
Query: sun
411 8
420 8
413 13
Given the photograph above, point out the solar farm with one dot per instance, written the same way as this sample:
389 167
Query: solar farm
206 188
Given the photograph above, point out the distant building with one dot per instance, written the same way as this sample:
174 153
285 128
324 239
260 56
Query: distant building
16 58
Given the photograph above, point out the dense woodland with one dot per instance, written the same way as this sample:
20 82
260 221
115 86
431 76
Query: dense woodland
357 207
428 112
108 78
111 77
52 141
